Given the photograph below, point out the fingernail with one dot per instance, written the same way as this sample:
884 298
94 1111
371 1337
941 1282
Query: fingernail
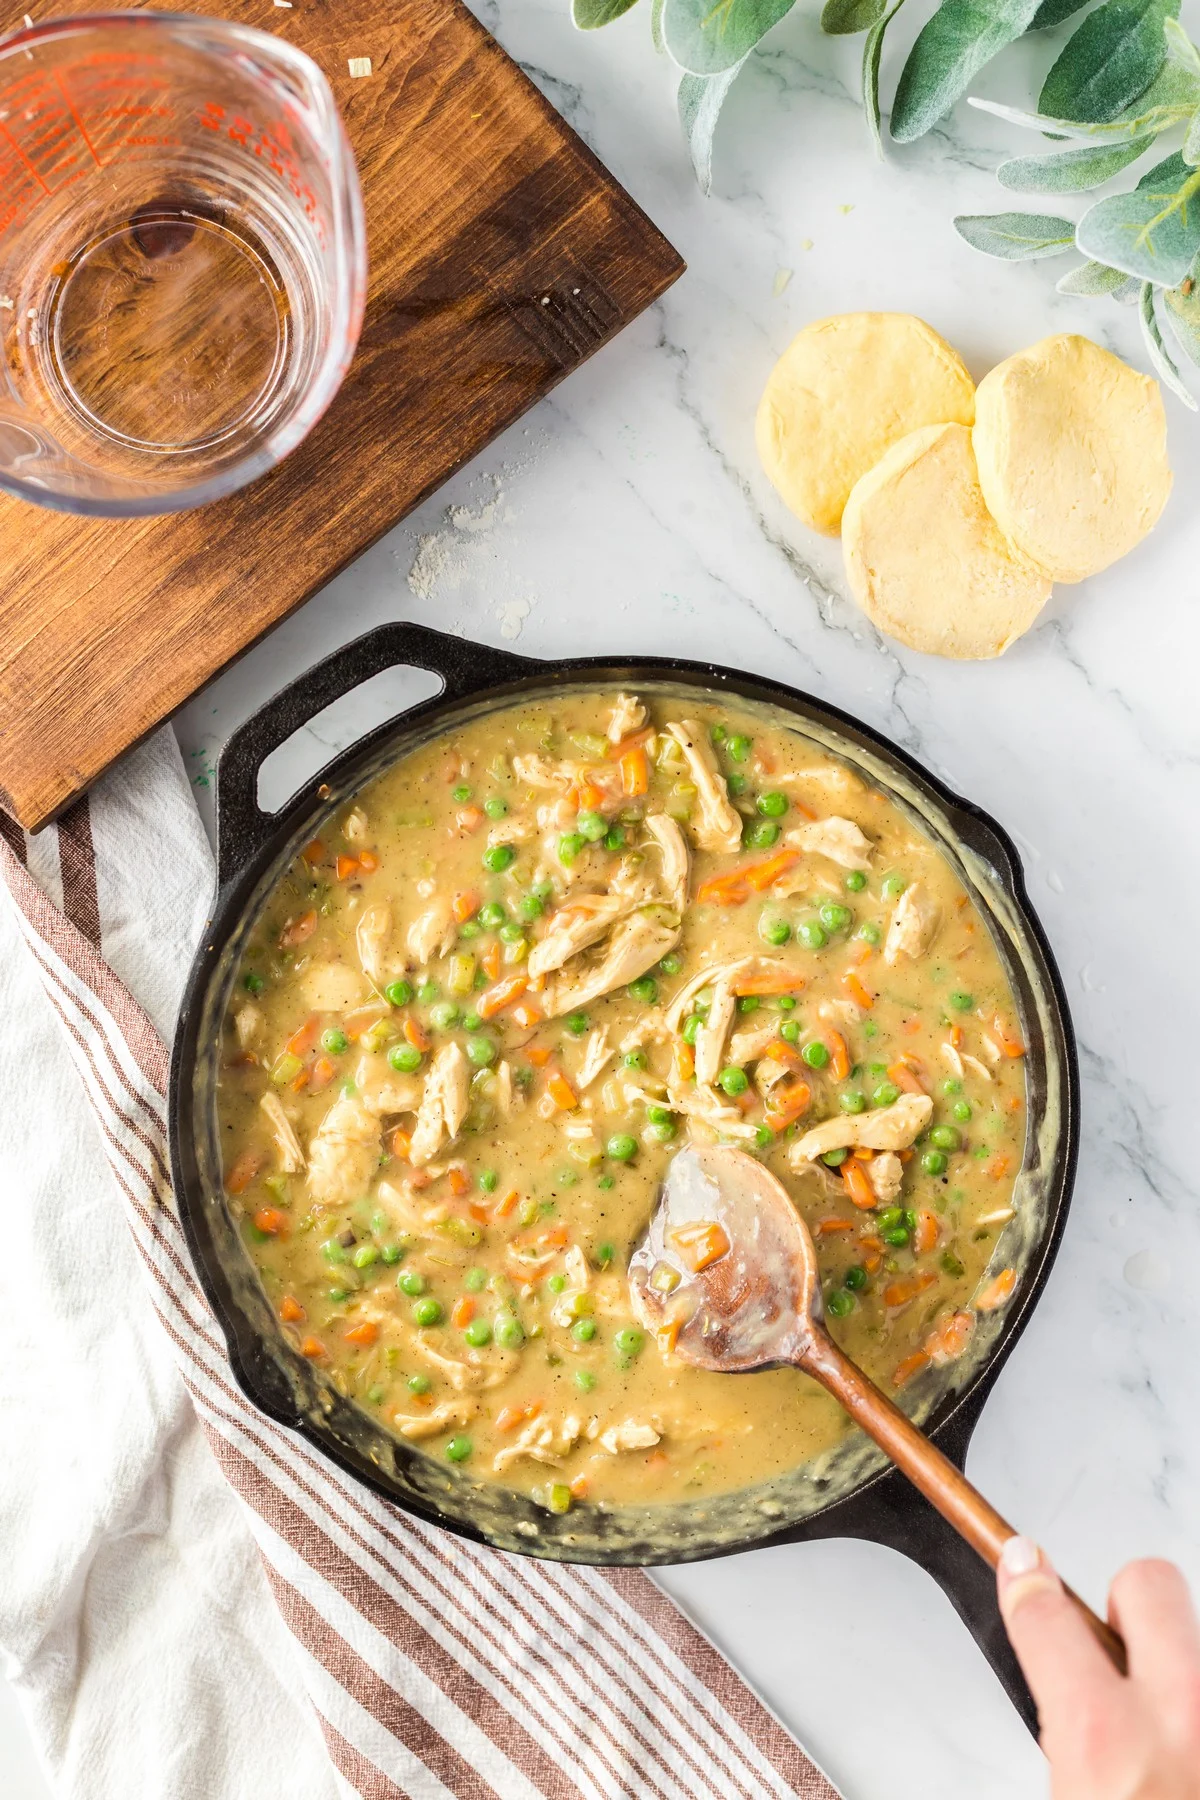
1020 1556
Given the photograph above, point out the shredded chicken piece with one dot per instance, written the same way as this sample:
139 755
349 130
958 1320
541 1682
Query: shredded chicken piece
354 826
248 1022
443 1105
973 1063
991 1048
840 1012
885 1174
675 860
287 1144
382 1090
951 1056
557 777
635 946
832 776
504 1095
628 714
542 1441
838 839
374 930
332 986
913 925
473 1375
512 831
892 1127
344 1153
710 1039
651 1028
416 1426
632 882
630 1435
717 826
432 932
574 927
578 1281
403 1207
704 1106
708 977
597 1054
747 1046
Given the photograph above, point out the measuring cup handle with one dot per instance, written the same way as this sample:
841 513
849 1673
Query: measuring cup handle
464 668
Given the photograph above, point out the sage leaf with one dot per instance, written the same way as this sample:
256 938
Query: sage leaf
588 15
872 52
1154 232
1180 48
700 100
1172 97
1093 280
1112 59
949 52
1158 353
843 18
1071 171
656 31
708 37
1191 143
1183 311
1053 12
1016 237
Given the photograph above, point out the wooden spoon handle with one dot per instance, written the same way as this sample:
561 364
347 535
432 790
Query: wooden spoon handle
943 1485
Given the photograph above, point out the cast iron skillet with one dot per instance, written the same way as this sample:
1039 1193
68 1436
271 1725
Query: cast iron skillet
852 1492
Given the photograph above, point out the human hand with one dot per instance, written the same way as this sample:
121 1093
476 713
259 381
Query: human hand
1109 1736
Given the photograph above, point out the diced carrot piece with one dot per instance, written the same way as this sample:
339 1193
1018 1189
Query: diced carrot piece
321 1074
956 1037
300 1082
839 1056
860 954
903 1077
561 1091
723 890
830 1227
526 1015
481 1214
462 1312
401 1144
857 1183
685 1060
312 1346
506 1204
368 862
539 1055
416 1034
910 1366
458 1178
871 1251
900 1293
491 961
510 1415
305 1037
1014 1103
453 768
590 796
579 1487
995 1292
242 1171
949 1337
502 994
857 990
788 1102
345 866
1011 1046
735 885
998 1167
465 905
364 1333
699 1243
762 875
270 1220
420 1178
314 851
667 1336
469 818
298 931
290 1310
927 1233
635 773
773 981
658 1461
865 1153
556 1238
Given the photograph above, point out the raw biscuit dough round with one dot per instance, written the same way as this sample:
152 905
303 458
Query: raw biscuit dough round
927 562
1072 451
844 391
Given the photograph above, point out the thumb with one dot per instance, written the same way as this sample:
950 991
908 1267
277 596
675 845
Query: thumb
1062 1661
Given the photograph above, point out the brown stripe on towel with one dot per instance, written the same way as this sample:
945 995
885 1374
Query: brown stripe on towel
77 860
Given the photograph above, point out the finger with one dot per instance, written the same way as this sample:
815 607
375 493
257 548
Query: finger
1150 1605
1063 1663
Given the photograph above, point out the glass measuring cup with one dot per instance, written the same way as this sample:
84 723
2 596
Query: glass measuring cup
182 259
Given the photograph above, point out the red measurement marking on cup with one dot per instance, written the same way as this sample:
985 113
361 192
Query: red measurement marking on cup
272 144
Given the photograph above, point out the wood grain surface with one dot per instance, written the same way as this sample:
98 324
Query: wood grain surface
502 255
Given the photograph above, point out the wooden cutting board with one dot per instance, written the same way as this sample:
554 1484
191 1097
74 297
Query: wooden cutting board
502 255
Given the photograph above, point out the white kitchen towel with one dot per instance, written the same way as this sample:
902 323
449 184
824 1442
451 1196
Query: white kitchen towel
359 1651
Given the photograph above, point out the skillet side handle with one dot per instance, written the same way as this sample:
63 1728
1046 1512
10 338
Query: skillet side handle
465 668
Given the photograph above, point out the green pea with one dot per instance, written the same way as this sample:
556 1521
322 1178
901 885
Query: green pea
492 915
336 1294
427 1312
839 1303
410 1283
893 886
531 906
662 1131
774 931
738 747
418 1384
592 826
392 1254
253 984
671 964
557 1283
629 1341
785 1003
772 805
498 857
478 1333
692 1027
458 1449
736 784
760 834
870 934
961 1110
471 1021
749 1003
488 1180
734 1081
910 1218
585 1381
583 1330
946 1137
376 1394
952 1087
444 1016
835 916
470 928
886 1094
962 1002
718 734
577 1023
509 1331
789 1031
856 881
605 1182
569 846
811 935
659 1115
604 1254
815 1054
566 1178
332 1251
482 1051
334 1041
644 990
897 1236
614 838
364 1256
889 1216
934 1162
399 993
835 1158
764 1137
855 1279
852 1101
495 807
621 1147
635 1059
461 794
428 991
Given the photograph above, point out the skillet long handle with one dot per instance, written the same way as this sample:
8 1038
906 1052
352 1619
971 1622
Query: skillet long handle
943 1485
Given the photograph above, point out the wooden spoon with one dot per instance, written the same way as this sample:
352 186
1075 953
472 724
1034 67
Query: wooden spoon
728 1267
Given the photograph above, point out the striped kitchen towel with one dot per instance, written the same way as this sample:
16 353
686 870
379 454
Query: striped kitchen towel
435 1668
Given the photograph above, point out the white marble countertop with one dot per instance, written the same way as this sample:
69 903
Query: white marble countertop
628 514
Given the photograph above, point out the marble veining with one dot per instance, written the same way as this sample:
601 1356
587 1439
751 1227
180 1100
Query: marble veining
628 513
